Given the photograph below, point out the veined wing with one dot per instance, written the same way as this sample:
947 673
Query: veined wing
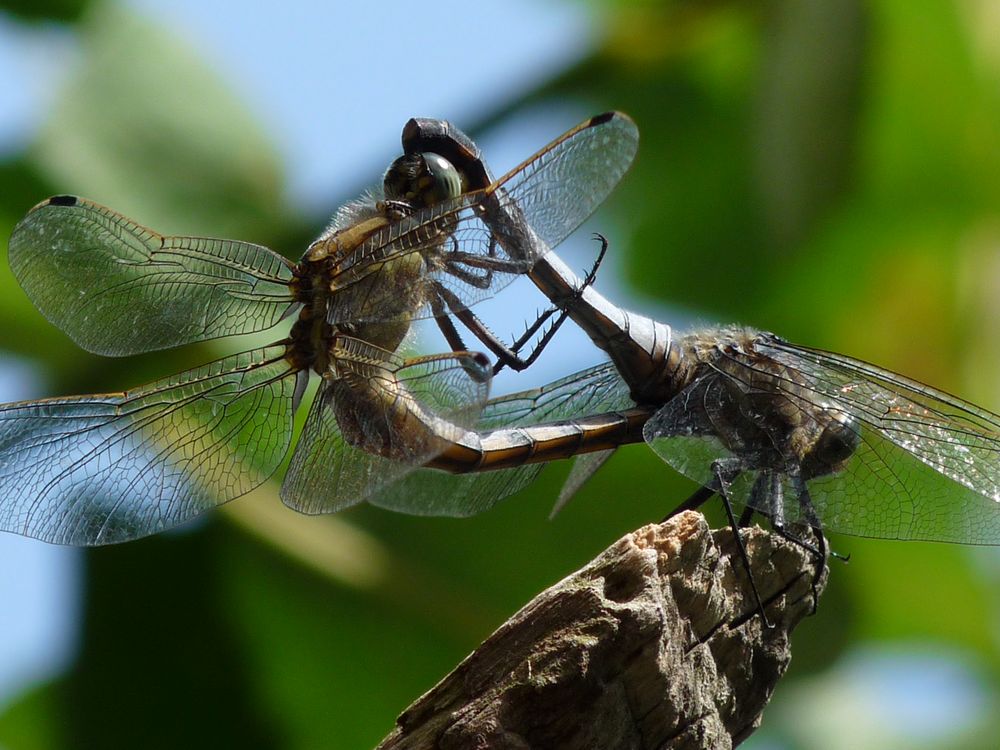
940 454
108 468
597 389
378 417
438 493
477 243
926 465
117 288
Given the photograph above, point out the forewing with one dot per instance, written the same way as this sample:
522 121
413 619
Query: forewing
117 288
108 468
564 183
939 455
584 467
376 419
478 243
438 493
922 467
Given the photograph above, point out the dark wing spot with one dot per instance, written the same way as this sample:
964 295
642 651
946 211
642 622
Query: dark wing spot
62 200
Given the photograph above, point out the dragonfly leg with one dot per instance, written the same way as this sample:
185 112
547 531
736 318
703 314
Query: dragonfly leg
725 471
812 518
529 331
767 498
695 501
507 356
764 499
457 264
455 259
479 281
395 208
451 334
445 302
775 503
563 306
818 550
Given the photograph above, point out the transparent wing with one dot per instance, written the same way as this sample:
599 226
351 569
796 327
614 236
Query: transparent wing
376 418
597 389
433 492
940 454
108 468
584 467
117 288
476 244
927 465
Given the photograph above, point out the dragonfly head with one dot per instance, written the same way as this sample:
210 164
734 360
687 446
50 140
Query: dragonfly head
425 134
422 180
838 441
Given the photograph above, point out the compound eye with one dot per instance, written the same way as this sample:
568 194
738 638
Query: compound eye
838 442
422 180
447 182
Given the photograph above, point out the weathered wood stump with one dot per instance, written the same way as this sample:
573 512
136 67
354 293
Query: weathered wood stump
656 643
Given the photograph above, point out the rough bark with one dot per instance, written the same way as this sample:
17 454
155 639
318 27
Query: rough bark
656 643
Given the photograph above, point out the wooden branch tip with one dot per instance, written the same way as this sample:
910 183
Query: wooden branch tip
656 643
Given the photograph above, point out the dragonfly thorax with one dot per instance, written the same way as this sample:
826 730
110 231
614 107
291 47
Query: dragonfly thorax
762 410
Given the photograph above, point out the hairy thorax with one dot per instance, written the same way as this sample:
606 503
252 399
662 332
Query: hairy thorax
759 408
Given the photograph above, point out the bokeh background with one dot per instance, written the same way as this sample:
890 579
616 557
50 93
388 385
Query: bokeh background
827 169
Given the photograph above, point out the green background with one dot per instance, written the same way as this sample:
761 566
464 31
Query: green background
826 170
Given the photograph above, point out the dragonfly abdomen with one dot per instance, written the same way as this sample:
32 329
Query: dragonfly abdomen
512 447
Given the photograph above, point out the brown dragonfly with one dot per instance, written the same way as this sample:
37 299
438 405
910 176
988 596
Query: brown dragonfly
806 438
107 468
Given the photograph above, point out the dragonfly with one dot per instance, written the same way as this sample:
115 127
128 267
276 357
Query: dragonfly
807 438
105 468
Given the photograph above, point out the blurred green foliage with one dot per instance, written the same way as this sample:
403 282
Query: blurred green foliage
825 169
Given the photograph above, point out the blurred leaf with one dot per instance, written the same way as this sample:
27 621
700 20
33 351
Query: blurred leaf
826 169
805 120
19 178
325 662
31 722
891 585
146 127
46 10
927 106
159 667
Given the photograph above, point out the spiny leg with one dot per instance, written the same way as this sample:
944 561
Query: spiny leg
529 332
507 356
477 281
455 262
761 500
442 297
812 518
721 485
563 306
767 497
451 334
724 471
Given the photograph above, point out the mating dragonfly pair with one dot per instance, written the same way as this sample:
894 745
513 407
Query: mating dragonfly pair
798 435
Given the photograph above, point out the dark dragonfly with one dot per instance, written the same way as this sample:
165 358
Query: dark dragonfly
805 437
111 467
